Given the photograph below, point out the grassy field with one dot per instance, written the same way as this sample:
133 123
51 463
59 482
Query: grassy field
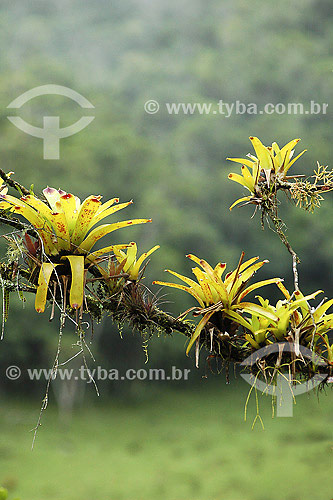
191 445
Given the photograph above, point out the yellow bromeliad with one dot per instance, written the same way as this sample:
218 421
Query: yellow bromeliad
270 163
294 315
131 265
67 233
213 293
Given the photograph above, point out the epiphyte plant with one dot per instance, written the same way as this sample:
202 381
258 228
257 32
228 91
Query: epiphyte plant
67 232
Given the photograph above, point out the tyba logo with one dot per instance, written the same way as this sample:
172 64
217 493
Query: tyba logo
51 133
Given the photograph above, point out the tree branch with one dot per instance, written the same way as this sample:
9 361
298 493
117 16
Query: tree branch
17 224
14 184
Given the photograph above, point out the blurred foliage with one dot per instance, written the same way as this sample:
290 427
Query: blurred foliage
120 54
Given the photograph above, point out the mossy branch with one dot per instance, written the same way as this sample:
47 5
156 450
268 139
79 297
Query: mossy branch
141 316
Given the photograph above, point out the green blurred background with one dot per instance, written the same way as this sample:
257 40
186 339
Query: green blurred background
156 440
